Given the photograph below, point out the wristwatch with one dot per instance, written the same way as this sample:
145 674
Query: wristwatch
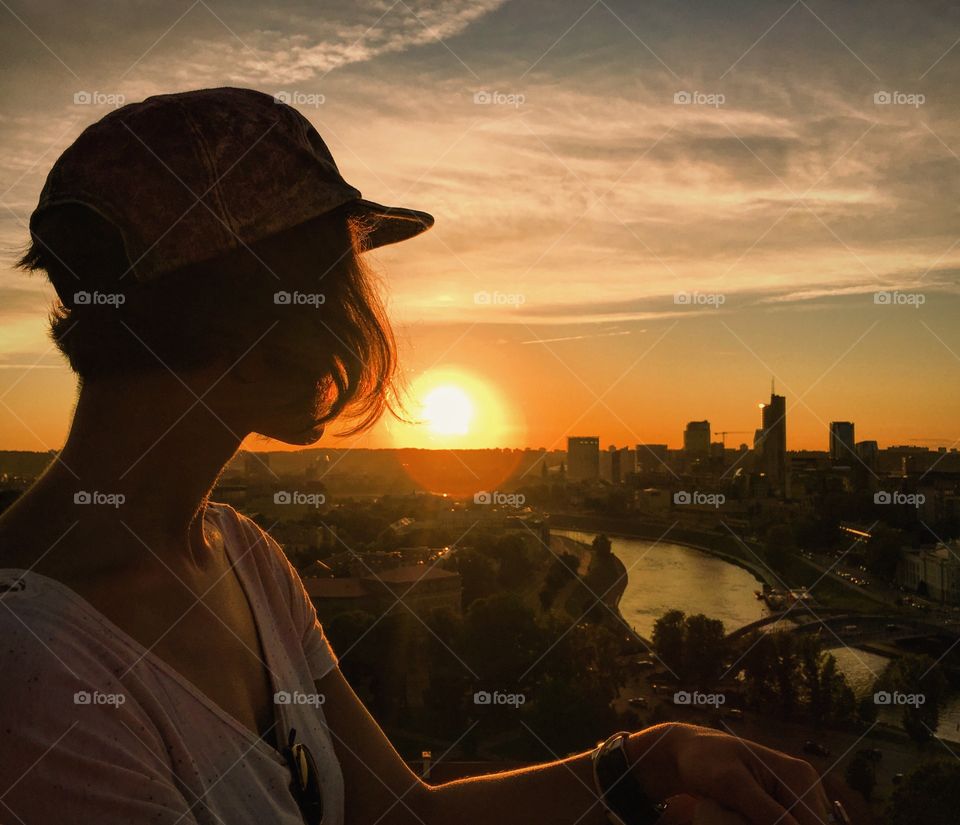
620 791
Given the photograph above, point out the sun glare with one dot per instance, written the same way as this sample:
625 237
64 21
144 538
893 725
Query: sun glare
454 408
448 410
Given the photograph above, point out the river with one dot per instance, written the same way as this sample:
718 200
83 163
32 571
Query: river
663 576
671 576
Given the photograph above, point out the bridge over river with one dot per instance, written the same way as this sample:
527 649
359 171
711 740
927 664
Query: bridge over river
849 628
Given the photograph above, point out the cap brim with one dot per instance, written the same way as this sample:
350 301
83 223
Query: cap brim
389 224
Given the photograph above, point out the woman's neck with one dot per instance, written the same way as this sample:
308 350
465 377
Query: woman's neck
139 462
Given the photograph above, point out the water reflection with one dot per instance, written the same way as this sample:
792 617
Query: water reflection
663 576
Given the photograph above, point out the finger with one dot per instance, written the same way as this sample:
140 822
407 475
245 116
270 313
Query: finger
710 813
805 798
680 811
756 806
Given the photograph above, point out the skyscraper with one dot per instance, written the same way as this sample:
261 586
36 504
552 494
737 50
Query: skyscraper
773 442
842 444
696 439
583 457
652 458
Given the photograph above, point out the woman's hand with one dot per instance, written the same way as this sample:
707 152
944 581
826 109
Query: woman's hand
762 785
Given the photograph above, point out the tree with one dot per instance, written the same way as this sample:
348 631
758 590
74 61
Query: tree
861 773
601 546
828 696
668 638
516 565
929 794
593 720
703 649
917 684
478 575
866 710
502 641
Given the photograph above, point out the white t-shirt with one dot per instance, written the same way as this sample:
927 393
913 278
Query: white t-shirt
165 753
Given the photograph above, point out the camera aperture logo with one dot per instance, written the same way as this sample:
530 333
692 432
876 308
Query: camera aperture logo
485 97
695 98
95 697
895 298
485 298
702 499
701 299
98 99
896 497
298 98
896 698
96 497
295 298
498 498
298 697
497 697
296 497
884 98
99 299
697 699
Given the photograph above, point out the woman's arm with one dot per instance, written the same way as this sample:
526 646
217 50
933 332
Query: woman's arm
763 785
380 788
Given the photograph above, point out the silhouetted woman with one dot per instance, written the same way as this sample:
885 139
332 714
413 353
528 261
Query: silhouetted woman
161 662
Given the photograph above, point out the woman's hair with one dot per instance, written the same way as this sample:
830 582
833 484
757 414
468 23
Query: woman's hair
305 294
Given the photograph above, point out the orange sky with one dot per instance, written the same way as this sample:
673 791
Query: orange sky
578 204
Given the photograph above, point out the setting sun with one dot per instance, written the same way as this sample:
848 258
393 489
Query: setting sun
455 408
448 410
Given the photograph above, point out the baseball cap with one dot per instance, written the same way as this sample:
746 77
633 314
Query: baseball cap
191 176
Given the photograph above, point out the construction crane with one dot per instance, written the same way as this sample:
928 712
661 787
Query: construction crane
724 433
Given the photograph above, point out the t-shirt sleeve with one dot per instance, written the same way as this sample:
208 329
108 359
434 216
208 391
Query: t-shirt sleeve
320 656
73 746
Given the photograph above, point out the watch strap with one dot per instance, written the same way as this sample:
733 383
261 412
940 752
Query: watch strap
621 793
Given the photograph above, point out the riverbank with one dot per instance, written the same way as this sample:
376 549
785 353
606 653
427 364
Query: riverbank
610 593
705 542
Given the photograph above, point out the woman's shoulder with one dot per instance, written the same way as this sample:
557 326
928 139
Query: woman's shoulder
247 539
241 527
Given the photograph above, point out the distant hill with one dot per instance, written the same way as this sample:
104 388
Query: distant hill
24 462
